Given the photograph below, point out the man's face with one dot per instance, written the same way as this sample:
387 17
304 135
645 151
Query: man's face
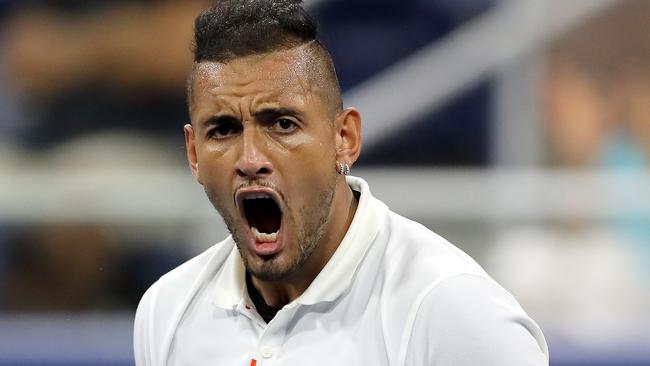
265 153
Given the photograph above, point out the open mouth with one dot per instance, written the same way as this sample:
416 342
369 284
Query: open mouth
263 216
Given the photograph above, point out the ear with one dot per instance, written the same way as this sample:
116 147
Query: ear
190 146
347 127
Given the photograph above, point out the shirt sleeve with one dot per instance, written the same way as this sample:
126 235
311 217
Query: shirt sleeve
470 320
142 330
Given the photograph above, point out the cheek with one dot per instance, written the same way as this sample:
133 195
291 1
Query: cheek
208 149
294 143
218 197
312 176
310 158
216 172
307 169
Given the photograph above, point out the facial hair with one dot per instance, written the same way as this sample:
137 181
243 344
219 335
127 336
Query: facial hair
309 233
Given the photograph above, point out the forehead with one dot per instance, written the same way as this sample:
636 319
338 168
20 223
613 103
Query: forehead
289 74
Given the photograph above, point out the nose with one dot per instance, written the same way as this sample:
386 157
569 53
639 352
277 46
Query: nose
253 162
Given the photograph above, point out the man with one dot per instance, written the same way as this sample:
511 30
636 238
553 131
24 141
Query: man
316 270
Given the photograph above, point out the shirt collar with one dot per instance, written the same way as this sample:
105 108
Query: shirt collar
335 278
230 284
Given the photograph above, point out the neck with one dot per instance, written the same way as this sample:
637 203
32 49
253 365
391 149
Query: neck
282 292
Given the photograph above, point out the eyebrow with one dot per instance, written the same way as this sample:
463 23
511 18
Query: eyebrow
262 114
266 113
217 120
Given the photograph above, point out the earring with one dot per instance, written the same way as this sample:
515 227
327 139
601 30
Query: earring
342 168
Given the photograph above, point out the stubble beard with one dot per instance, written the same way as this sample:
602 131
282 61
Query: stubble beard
308 236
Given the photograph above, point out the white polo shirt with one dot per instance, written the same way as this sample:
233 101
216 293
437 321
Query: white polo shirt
393 293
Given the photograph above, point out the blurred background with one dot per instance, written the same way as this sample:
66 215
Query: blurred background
518 129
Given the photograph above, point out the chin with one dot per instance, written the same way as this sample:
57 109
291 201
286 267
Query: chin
271 268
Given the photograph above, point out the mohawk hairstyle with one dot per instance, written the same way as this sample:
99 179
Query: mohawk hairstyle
231 29
238 28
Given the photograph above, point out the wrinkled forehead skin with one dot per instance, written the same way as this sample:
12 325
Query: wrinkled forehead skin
295 76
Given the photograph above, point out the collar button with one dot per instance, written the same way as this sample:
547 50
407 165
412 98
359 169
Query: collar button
267 352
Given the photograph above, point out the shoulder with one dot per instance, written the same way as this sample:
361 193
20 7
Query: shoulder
444 305
415 252
187 277
195 269
470 319
414 260
164 302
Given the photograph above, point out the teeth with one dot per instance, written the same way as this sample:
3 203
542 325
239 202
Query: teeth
257 195
263 237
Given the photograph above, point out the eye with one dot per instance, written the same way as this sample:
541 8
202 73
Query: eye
284 125
224 130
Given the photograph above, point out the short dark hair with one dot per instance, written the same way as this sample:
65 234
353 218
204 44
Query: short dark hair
238 28
231 29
